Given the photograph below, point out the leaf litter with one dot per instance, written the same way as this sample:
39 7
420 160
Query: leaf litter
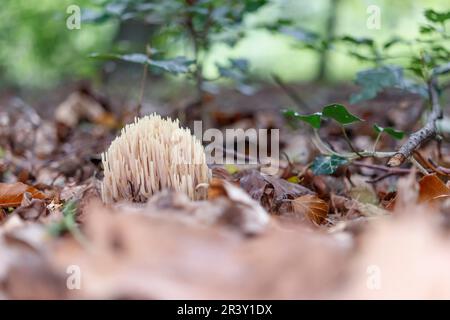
310 232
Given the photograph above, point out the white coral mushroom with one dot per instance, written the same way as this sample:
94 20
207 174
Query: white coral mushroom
152 154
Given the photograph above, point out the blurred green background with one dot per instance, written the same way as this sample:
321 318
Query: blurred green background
38 51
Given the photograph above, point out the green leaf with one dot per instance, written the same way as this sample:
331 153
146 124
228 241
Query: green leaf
238 71
394 41
301 34
326 165
253 5
396 134
339 113
435 16
313 119
427 29
175 65
373 81
358 41
68 221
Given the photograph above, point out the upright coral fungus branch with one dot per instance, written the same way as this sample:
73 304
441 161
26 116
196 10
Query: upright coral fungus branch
152 154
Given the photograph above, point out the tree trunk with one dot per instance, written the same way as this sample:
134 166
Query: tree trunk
329 35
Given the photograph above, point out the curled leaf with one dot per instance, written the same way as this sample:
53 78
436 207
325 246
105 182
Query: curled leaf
11 194
432 188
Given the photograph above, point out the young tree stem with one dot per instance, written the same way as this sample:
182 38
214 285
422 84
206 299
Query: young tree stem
428 131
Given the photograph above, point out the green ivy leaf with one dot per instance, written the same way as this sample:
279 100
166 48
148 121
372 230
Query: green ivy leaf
313 119
339 113
326 165
396 134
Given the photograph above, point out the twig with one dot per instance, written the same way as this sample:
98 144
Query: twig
141 93
143 82
382 177
381 167
326 150
429 164
444 170
443 69
349 142
419 166
388 170
377 139
291 93
430 129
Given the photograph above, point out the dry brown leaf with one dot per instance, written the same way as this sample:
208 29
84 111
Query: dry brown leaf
31 209
270 191
311 206
351 206
136 255
11 194
215 188
432 188
402 258
240 209
80 106
407 193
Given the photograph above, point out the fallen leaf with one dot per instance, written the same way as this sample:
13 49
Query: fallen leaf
241 209
78 106
362 191
215 188
270 191
137 255
31 209
312 207
46 139
395 251
351 206
11 194
432 188
407 193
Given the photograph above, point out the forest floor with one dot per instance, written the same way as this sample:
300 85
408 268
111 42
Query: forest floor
367 231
